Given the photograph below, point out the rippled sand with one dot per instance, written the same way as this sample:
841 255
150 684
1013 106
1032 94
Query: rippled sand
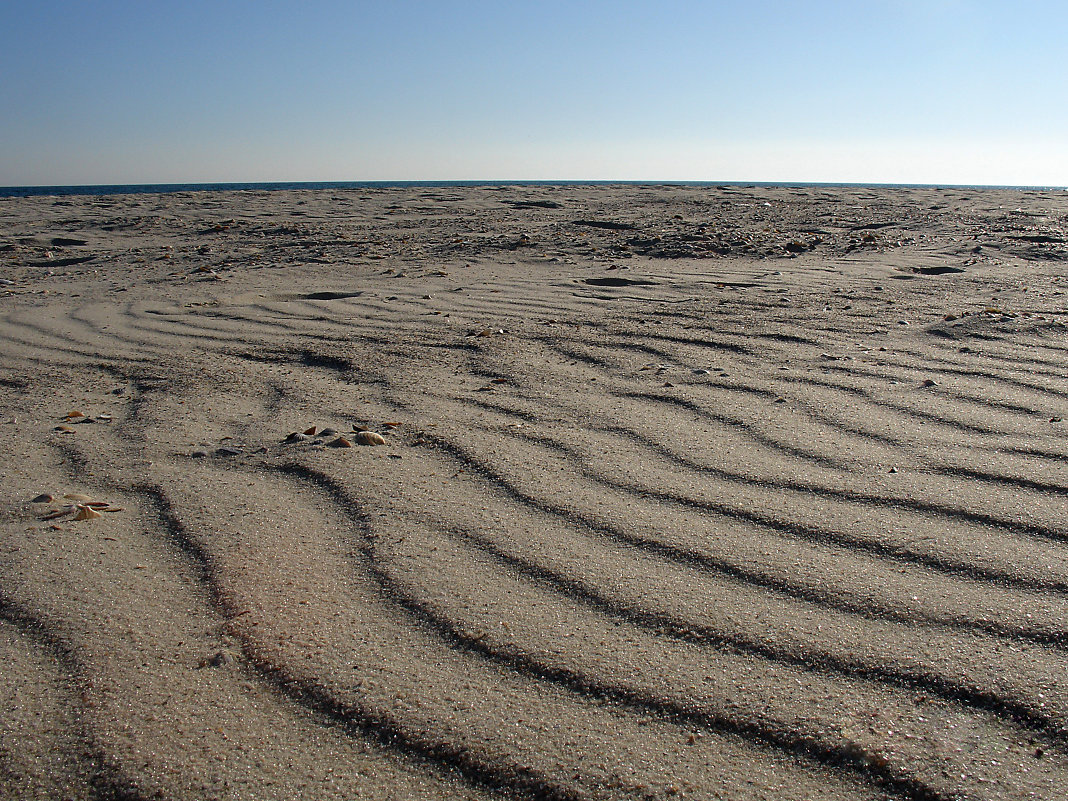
701 493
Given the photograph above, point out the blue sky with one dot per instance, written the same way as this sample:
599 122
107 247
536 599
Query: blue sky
942 91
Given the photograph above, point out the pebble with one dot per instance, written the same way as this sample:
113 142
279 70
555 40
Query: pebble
217 660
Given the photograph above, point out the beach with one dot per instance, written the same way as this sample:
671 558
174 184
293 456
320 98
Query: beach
569 492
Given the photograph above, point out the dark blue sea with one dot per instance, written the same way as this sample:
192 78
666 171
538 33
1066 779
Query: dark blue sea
123 189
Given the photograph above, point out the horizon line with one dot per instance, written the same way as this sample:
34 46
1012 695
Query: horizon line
161 187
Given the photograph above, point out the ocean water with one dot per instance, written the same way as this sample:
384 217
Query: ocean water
156 189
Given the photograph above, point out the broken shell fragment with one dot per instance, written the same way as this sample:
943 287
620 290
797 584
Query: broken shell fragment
369 438
87 513
74 414
58 513
340 442
311 431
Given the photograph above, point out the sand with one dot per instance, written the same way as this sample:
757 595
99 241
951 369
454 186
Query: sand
716 492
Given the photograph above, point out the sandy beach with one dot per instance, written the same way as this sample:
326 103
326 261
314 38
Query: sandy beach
574 492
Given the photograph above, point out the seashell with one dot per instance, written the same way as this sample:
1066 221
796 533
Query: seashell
77 497
64 429
87 513
296 436
340 442
226 450
311 431
328 432
392 425
75 414
44 497
200 453
369 438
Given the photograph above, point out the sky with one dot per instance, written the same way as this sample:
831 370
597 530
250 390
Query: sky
869 91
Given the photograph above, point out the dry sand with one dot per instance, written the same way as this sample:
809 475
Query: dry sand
686 492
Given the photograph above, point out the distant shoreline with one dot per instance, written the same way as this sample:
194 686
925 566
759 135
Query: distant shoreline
271 186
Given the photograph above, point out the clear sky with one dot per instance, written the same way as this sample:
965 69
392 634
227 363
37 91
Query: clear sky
911 91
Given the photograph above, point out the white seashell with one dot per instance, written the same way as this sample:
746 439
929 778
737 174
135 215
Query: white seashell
369 438
87 513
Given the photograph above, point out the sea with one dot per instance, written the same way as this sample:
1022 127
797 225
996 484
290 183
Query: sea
157 189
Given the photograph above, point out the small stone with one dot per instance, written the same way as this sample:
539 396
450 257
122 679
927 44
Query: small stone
369 438
892 470
220 659
44 497
200 453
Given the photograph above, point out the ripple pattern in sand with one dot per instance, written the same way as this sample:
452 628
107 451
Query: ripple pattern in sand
631 548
